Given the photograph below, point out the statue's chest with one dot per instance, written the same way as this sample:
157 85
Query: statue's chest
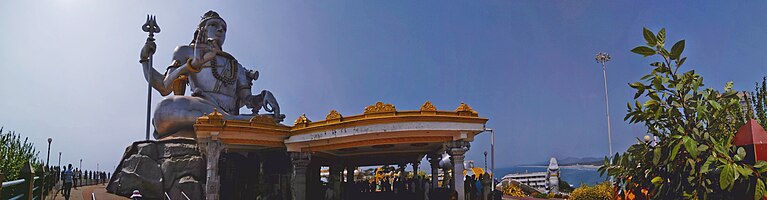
218 75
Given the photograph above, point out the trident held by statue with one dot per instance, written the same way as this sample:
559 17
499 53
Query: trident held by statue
151 27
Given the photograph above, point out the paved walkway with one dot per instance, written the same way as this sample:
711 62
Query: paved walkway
84 193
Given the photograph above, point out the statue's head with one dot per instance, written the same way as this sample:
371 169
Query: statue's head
211 27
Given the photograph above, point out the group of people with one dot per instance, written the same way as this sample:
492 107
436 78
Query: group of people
73 177
402 188
476 187
396 185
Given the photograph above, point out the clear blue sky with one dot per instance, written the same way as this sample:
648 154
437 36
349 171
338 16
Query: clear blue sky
69 67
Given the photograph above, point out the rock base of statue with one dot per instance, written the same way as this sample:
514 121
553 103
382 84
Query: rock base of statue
154 168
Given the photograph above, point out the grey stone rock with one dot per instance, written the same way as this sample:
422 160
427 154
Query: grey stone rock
168 150
147 149
139 172
190 186
178 167
156 167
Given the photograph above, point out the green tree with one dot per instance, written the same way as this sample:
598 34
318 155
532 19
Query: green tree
564 186
14 152
695 158
759 102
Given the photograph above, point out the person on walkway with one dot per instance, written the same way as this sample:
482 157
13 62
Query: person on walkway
329 193
75 175
426 190
136 195
67 178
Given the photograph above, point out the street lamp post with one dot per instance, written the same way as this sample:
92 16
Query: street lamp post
47 164
48 159
59 160
602 58
485 160
492 158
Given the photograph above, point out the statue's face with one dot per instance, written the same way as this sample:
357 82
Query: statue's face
215 29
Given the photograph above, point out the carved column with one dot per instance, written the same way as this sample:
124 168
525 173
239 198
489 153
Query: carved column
300 162
212 152
457 149
434 163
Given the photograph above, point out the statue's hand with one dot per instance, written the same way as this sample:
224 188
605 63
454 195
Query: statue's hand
148 50
210 54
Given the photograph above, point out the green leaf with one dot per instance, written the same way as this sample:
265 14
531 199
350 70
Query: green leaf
702 147
760 164
679 64
662 37
715 104
636 85
707 164
744 171
644 51
727 177
649 37
759 191
741 152
656 156
691 146
675 150
650 102
657 180
677 49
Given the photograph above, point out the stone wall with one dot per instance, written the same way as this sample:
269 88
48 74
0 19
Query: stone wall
157 167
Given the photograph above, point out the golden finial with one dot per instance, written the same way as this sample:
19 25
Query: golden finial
302 120
333 115
380 107
465 110
428 107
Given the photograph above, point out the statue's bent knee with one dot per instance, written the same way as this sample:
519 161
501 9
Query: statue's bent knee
176 115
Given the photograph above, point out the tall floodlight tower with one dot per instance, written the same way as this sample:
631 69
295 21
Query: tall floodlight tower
602 58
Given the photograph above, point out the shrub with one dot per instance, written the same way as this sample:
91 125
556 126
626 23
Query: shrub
600 191
14 153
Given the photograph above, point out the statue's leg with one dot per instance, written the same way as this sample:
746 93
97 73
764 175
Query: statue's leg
176 115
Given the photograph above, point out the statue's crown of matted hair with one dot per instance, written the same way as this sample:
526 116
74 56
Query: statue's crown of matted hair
210 15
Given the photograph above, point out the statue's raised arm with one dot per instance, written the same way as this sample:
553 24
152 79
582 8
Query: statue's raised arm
217 81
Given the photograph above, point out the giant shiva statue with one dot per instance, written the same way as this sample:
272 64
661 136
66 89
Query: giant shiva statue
217 82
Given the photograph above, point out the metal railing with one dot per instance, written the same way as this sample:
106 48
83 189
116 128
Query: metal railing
30 187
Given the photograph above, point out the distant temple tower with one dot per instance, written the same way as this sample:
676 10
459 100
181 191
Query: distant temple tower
552 176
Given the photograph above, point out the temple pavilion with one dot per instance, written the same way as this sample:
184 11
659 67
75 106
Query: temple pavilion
260 155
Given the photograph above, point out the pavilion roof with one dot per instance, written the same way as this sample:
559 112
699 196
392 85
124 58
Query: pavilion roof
750 133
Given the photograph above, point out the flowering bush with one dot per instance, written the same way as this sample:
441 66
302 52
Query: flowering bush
600 191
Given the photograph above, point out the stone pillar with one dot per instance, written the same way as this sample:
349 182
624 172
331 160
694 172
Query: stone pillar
434 163
335 180
416 180
213 151
349 185
350 174
313 180
457 149
300 162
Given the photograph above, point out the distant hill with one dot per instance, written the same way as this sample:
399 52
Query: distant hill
571 161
